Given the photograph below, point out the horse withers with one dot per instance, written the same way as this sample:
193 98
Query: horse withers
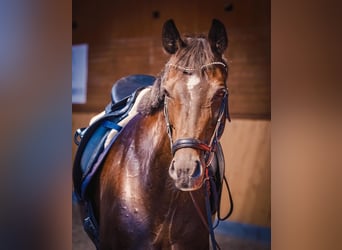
150 192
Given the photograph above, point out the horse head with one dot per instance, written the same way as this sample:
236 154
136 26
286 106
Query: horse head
195 100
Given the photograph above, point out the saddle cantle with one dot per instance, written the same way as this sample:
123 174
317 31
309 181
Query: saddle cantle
128 85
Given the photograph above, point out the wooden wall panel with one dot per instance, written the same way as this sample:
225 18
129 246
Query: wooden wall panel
124 38
247 150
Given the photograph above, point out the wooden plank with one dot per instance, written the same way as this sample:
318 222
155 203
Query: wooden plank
247 150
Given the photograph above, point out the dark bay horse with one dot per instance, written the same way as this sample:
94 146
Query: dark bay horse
149 193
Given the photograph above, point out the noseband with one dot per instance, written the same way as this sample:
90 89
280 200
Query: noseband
209 149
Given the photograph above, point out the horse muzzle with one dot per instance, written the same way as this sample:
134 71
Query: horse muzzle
187 171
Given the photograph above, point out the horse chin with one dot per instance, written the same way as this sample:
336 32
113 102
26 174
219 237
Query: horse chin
190 185
188 189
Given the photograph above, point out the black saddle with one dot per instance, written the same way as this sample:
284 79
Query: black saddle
90 140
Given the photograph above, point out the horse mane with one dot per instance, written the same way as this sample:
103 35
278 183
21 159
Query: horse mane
153 99
196 53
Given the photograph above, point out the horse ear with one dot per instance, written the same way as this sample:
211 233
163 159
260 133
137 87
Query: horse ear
171 38
218 37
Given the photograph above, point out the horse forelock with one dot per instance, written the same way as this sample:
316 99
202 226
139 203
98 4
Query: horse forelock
196 53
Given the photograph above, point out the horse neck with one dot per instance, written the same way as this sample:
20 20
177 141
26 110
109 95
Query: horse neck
152 140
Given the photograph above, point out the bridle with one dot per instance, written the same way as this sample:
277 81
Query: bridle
209 149
195 143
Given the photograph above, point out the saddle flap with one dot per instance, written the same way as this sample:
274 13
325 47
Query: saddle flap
87 153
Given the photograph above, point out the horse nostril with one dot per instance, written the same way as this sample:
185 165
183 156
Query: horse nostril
179 172
197 170
172 171
172 167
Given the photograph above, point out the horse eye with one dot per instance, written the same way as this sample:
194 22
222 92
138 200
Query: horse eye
220 93
167 94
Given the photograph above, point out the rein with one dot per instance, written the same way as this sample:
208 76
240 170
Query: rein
207 221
